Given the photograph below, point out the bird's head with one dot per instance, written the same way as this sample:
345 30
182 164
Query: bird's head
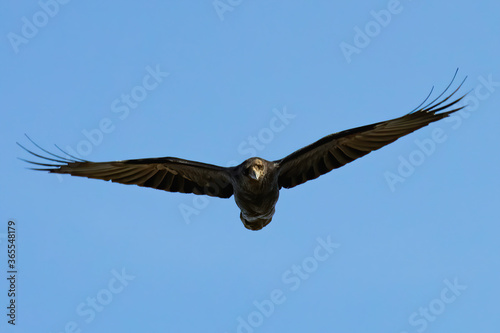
255 169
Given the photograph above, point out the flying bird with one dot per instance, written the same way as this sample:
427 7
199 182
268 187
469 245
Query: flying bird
256 182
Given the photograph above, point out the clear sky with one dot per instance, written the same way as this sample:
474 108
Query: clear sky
405 239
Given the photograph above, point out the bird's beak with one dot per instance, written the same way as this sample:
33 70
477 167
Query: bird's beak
255 173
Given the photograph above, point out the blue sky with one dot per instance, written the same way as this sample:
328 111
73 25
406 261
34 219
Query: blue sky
215 82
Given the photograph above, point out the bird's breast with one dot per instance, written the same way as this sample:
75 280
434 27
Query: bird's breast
256 205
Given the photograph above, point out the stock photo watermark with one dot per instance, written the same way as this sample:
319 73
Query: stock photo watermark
122 107
11 270
247 148
291 280
223 6
93 305
32 25
421 319
426 147
363 36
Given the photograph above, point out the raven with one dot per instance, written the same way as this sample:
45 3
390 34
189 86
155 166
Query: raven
256 182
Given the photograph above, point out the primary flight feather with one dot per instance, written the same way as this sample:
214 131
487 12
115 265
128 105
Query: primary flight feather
256 182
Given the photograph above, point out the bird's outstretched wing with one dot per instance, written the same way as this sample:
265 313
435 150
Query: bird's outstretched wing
165 173
338 149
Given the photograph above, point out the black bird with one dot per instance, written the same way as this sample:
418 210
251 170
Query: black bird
256 182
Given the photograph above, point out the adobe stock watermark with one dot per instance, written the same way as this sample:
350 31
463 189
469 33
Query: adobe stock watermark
428 146
363 36
121 107
223 6
291 279
31 26
425 315
95 304
247 148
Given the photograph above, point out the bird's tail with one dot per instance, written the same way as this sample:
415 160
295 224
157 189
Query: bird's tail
256 224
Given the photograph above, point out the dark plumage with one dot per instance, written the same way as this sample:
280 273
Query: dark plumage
256 182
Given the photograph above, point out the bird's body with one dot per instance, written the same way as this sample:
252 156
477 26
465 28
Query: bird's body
256 191
256 182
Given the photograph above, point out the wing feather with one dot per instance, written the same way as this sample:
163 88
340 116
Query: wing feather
166 173
338 149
